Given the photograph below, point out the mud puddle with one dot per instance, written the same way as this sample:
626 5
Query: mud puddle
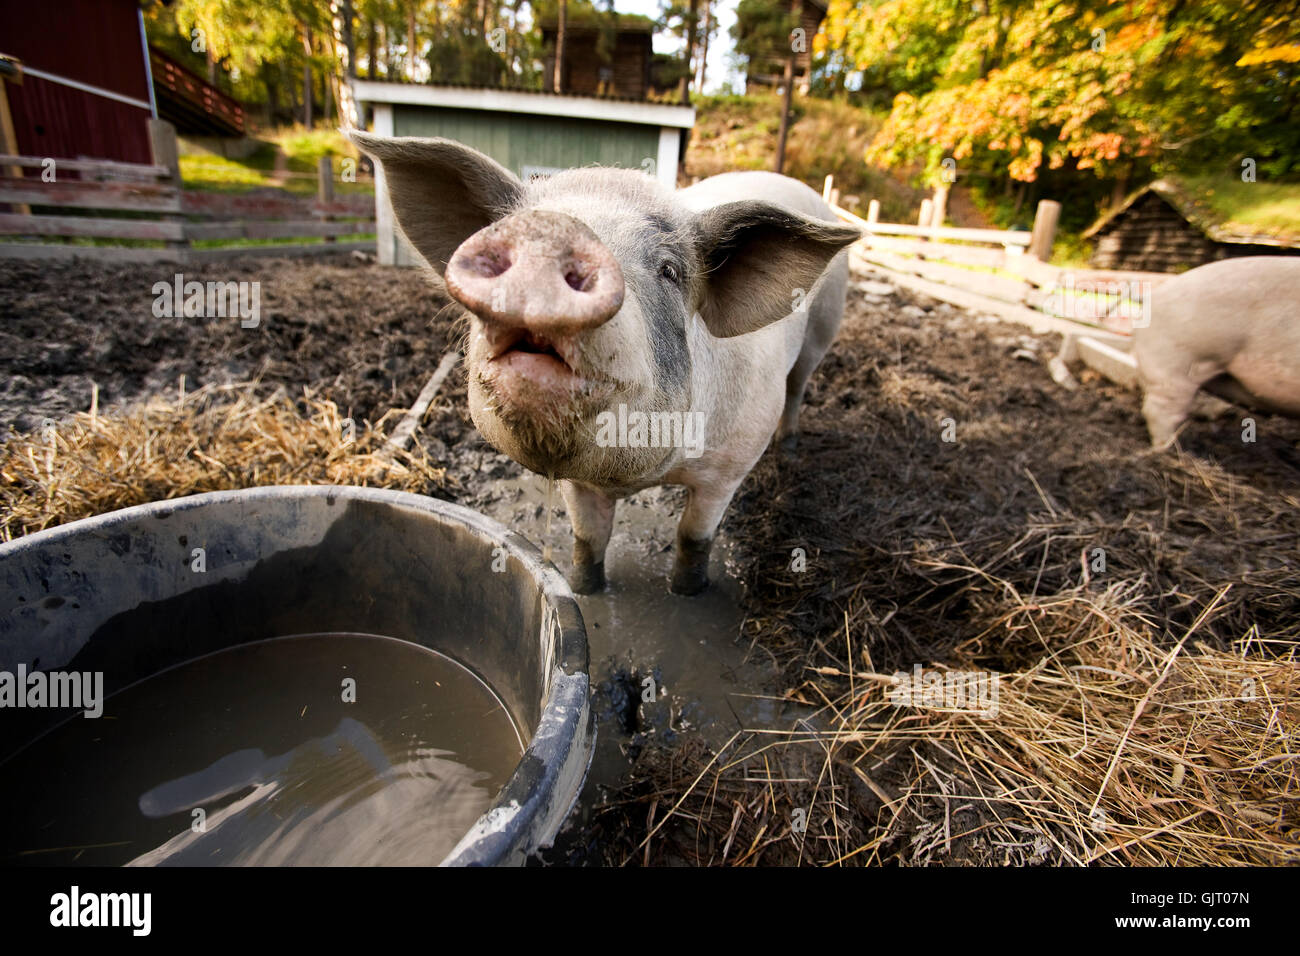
661 664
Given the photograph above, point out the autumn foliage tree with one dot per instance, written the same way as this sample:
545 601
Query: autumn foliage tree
1115 89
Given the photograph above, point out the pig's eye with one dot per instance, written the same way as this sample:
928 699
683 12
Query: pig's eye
669 272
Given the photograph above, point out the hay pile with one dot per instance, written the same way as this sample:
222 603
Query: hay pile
1112 748
214 439
1147 709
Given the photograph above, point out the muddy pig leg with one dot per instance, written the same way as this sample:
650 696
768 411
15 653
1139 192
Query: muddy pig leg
592 515
705 507
1166 407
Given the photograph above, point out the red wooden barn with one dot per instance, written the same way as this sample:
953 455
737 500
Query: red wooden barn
85 87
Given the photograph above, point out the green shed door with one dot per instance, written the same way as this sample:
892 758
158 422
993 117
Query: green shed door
523 142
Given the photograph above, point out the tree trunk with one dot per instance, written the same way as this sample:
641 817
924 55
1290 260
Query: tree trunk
371 72
788 83
410 41
704 42
788 94
558 81
389 72
306 77
270 81
349 38
684 90
1120 189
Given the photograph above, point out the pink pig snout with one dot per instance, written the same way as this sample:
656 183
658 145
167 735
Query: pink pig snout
543 271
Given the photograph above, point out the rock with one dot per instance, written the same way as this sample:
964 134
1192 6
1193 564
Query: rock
871 287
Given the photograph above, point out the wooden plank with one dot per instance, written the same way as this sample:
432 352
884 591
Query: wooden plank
983 283
401 437
943 251
1031 269
138 197
1008 237
286 251
1115 275
1010 312
902 247
138 170
33 250
991 257
242 206
43 251
15 225
1118 366
253 206
294 229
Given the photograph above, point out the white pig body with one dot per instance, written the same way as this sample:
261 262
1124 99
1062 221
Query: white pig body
1231 327
598 294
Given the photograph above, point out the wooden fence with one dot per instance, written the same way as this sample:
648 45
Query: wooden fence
99 199
1007 273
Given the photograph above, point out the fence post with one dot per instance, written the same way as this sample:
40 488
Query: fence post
927 211
873 210
940 206
826 189
162 145
1044 234
325 188
835 197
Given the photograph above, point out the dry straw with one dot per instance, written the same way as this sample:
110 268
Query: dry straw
1112 749
213 439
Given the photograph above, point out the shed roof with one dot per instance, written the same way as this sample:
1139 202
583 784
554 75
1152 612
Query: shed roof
499 100
1193 201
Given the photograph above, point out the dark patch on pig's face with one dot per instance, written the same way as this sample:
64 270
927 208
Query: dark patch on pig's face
663 292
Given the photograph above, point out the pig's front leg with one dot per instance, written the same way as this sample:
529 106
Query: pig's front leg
592 515
705 506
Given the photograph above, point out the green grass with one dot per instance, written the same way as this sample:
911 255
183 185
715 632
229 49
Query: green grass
302 150
1273 208
305 241
219 174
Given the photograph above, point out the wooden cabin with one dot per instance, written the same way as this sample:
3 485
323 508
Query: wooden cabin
771 73
622 73
1163 227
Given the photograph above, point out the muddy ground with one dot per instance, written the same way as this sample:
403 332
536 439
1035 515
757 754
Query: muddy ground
876 498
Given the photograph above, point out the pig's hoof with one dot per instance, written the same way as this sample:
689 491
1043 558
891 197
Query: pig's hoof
691 566
588 578
689 581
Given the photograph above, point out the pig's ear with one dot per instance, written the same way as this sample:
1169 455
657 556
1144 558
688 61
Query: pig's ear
755 256
442 191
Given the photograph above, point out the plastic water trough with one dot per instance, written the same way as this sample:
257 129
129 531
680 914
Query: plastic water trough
119 590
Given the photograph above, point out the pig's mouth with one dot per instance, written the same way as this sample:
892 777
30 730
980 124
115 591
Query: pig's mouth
529 343
520 363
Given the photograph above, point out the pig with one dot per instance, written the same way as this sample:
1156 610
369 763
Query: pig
1231 328
598 297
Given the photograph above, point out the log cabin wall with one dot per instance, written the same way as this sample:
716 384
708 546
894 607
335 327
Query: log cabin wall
1152 236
